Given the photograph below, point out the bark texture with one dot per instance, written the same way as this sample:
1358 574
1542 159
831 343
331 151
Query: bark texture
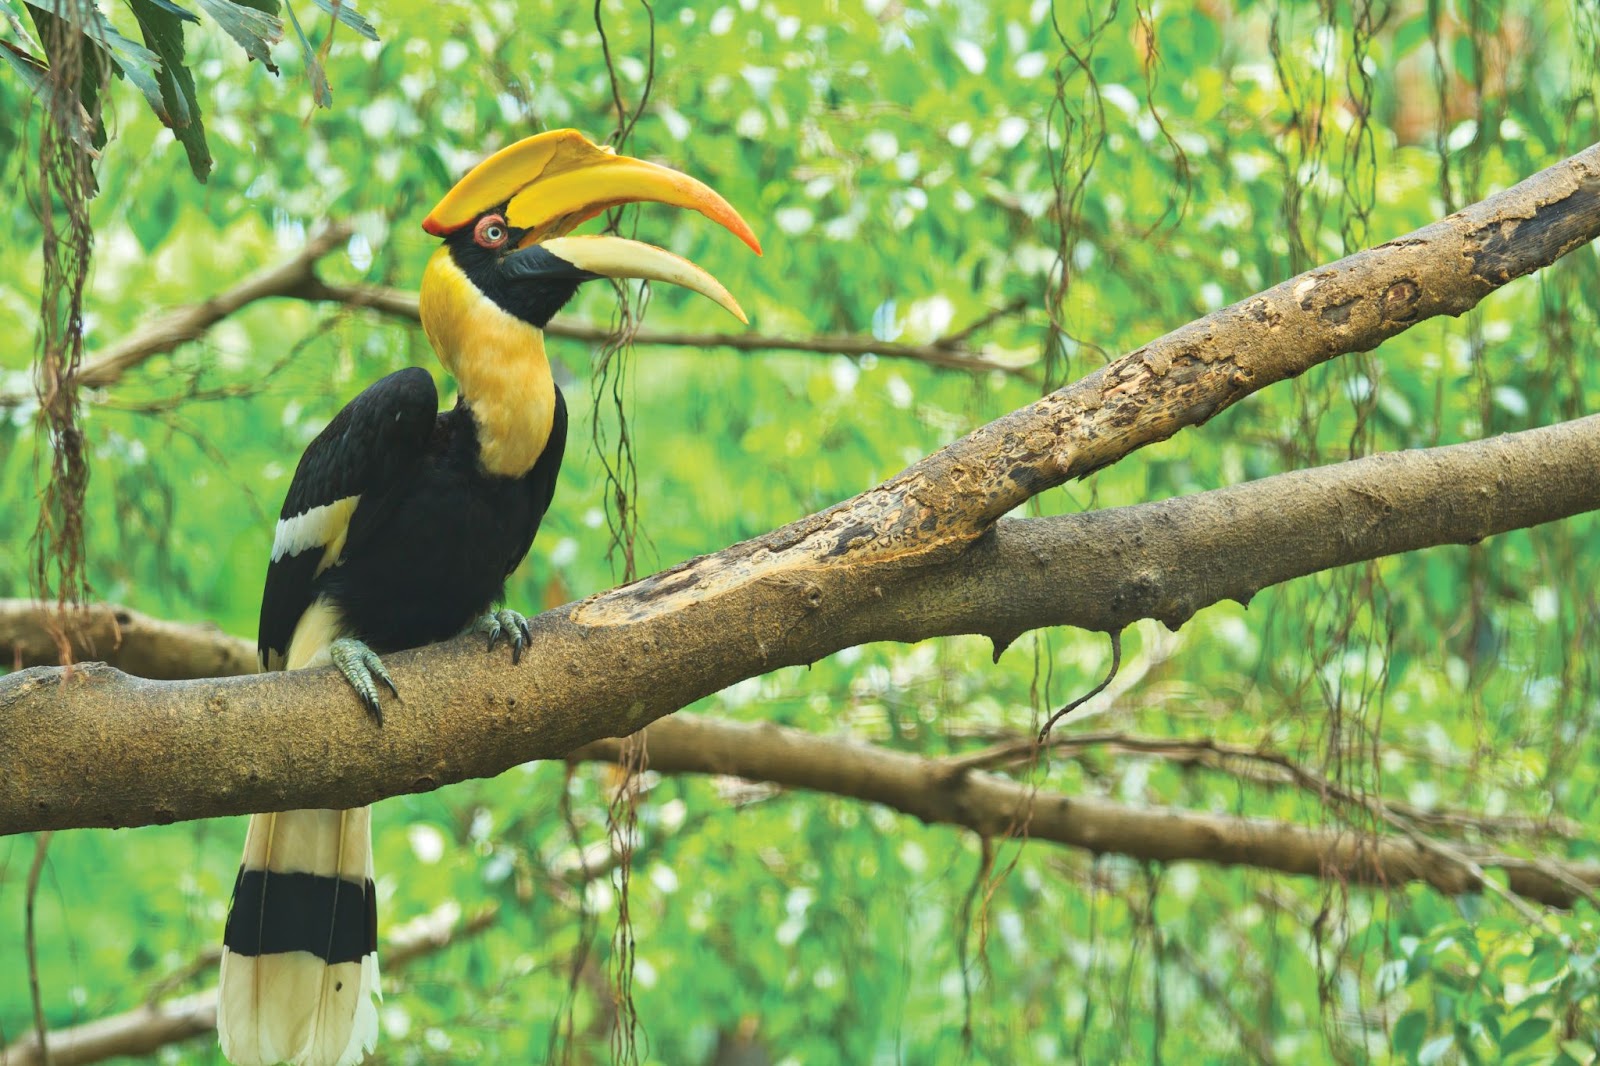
920 555
159 751
940 791
132 642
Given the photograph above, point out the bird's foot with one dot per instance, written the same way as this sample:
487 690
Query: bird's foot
508 624
361 667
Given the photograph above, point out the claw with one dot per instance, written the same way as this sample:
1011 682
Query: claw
361 667
509 624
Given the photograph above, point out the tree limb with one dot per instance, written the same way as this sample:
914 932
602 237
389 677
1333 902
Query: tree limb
711 746
920 555
930 790
948 353
145 1029
155 648
606 666
183 324
132 642
297 278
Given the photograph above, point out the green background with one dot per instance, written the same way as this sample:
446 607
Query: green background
909 167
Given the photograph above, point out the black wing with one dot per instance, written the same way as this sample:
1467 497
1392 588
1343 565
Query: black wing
541 480
378 439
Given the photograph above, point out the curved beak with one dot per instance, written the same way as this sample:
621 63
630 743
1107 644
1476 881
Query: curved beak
550 183
618 257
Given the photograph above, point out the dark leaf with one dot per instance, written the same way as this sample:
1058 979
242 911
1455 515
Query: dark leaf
320 93
1524 1036
347 15
253 29
131 56
52 32
131 59
163 32
36 76
172 9
153 222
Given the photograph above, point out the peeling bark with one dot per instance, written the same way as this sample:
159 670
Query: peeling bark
158 751
921 555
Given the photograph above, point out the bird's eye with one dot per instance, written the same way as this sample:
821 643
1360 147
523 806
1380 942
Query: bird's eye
491 231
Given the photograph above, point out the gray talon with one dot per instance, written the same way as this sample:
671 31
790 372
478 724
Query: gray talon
508 624
361 667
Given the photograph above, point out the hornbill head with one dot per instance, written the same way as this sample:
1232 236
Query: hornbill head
505 227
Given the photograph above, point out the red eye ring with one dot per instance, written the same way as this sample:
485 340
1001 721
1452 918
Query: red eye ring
491 231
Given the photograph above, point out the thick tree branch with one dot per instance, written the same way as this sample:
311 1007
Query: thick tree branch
606 666
918 556
935 792
145 1029
708 747
132 642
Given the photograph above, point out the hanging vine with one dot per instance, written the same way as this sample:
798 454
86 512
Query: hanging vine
76 80
622 477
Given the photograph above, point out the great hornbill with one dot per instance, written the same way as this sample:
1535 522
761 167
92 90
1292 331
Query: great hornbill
400 528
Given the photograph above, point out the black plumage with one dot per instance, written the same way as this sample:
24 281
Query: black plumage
431 539
400 528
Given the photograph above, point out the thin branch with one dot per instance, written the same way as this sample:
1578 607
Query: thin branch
1268 769
946 353
1111 675
998 807
41 848
297 278
184 324
984 321
147 1028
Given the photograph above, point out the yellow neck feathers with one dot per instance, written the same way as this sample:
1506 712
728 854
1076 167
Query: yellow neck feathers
499 362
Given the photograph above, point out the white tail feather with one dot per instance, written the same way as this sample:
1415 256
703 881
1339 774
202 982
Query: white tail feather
291 1006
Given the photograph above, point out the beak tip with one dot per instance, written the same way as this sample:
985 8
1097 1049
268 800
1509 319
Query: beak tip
433 226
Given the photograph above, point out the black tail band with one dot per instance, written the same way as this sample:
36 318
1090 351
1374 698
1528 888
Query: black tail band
332 918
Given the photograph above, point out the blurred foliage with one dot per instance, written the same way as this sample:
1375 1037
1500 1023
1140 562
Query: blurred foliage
910 165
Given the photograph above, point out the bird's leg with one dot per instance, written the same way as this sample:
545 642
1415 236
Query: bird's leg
508 624
361 667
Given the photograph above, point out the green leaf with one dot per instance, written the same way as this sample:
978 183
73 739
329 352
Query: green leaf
51 30
1409 1031
129 58
347 15
254 30
1525 1035
173 9
162 27
153 222
1578 1051
320 93
35 74
88 20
